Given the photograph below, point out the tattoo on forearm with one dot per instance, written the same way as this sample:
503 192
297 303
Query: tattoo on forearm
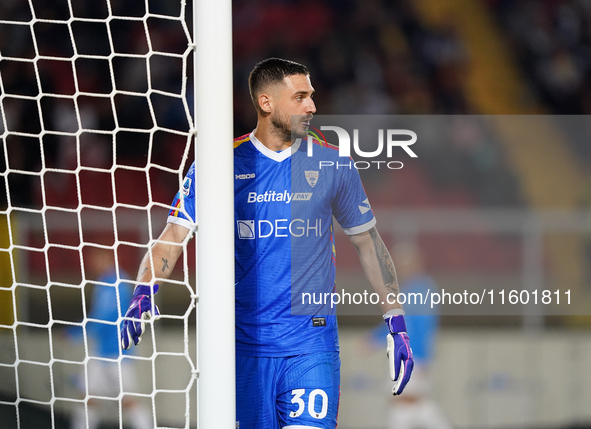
165 264
385 262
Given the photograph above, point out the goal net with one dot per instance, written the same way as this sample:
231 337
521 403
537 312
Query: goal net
95 138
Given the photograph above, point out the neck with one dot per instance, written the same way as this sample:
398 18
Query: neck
263 132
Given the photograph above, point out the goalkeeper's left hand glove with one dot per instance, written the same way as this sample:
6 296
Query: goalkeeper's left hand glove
140 308
399 352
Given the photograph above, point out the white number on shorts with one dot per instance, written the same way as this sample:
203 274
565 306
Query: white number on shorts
297 399
311 401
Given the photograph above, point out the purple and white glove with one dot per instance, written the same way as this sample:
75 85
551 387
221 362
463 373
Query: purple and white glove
399 352
142 309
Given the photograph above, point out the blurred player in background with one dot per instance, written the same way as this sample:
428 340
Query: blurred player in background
287 359
415 409
104 376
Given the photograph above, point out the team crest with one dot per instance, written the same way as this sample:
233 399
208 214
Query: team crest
187 186
312 177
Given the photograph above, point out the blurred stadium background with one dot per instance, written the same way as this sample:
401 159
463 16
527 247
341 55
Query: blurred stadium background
473 60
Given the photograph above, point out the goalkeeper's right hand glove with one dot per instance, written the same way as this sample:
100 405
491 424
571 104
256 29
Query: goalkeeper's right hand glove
140 309
399 353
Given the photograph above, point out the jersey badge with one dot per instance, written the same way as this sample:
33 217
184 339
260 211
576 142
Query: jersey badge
312 177
187 187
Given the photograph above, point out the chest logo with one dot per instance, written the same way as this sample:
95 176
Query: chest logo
312 177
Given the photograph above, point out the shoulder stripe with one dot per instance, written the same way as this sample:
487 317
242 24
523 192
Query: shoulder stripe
239 140
177 206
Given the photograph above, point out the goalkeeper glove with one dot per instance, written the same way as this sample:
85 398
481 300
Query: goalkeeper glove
140 308
399 352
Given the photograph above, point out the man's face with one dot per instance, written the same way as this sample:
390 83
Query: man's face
294 98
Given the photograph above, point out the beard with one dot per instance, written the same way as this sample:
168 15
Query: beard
282 127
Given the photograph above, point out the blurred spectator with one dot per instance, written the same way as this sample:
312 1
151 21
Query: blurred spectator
104 376
415 408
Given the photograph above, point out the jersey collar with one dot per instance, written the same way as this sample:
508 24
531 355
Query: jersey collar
276 156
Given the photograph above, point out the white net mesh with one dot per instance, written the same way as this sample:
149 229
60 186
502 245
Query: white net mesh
95 139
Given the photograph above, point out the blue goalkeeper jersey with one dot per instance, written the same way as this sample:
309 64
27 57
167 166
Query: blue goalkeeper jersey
104 335
284 242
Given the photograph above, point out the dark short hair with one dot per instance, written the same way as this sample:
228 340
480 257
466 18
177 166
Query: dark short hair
270 71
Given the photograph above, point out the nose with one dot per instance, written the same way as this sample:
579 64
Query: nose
310 107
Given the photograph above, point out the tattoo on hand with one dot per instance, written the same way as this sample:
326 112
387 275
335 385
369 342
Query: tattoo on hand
385 262
165 264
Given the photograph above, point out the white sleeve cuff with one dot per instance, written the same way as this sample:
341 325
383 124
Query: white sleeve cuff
361 228
394 312
180 221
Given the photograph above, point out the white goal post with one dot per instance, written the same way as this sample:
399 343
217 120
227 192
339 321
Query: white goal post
215 214
96 126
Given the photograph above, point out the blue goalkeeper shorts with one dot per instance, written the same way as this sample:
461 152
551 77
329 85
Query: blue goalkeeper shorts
288 392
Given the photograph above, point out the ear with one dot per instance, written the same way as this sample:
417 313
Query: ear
265 103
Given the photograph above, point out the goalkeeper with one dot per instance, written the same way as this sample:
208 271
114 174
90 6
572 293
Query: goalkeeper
287 358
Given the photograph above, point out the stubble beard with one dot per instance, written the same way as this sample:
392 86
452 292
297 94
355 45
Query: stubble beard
283 129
